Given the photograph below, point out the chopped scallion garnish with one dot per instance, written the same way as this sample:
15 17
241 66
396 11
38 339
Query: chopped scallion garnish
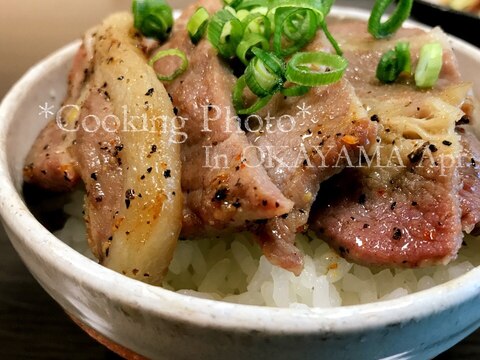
250 41
225 31
197 24
381 30
265 73
239 102
315 68
294 28
429 65
153 18
170 52
394 62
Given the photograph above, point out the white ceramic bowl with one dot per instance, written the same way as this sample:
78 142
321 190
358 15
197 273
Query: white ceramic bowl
157 323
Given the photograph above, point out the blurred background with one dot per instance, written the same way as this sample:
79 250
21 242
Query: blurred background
32 326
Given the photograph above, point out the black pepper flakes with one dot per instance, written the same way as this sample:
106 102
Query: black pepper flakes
366 226
375 118
150 92
432 148
473 162
149 170
416 155
414 203
120 78
397 234
167 174
129 195
153 149
264 202
394 204
236 204
220 194
94 176
446 143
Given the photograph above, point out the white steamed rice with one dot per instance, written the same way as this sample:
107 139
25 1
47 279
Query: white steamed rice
233 269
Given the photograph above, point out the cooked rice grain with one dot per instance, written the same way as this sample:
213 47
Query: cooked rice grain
234 270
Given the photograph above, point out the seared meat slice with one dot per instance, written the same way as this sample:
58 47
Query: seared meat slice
50 163
321 140
222 188
97 153
404 208
470 176
128 159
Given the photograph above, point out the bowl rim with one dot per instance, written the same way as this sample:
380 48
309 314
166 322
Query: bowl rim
164 303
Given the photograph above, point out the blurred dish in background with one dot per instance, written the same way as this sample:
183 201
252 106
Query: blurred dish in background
471 6
441 13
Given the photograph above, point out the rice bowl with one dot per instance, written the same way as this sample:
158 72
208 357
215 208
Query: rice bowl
121 309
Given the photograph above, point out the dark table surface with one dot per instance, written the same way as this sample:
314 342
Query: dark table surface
33 326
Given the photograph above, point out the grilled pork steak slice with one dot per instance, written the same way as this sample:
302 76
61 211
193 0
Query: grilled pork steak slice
321 140
97 154
222 188
50 163
404 209
470 176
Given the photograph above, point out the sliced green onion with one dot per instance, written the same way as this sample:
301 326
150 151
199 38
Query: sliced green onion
381 30
271 61
387 68
394 62
197 24
232 3
153 18
322 7
250 40
305 68
251 4
170 52
304 32
257 23
225 32
429 65
239 103
402 49
296 90
330 38
260 9
242 14
265 73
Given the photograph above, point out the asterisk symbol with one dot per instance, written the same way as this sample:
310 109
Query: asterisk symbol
46 110
304 110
